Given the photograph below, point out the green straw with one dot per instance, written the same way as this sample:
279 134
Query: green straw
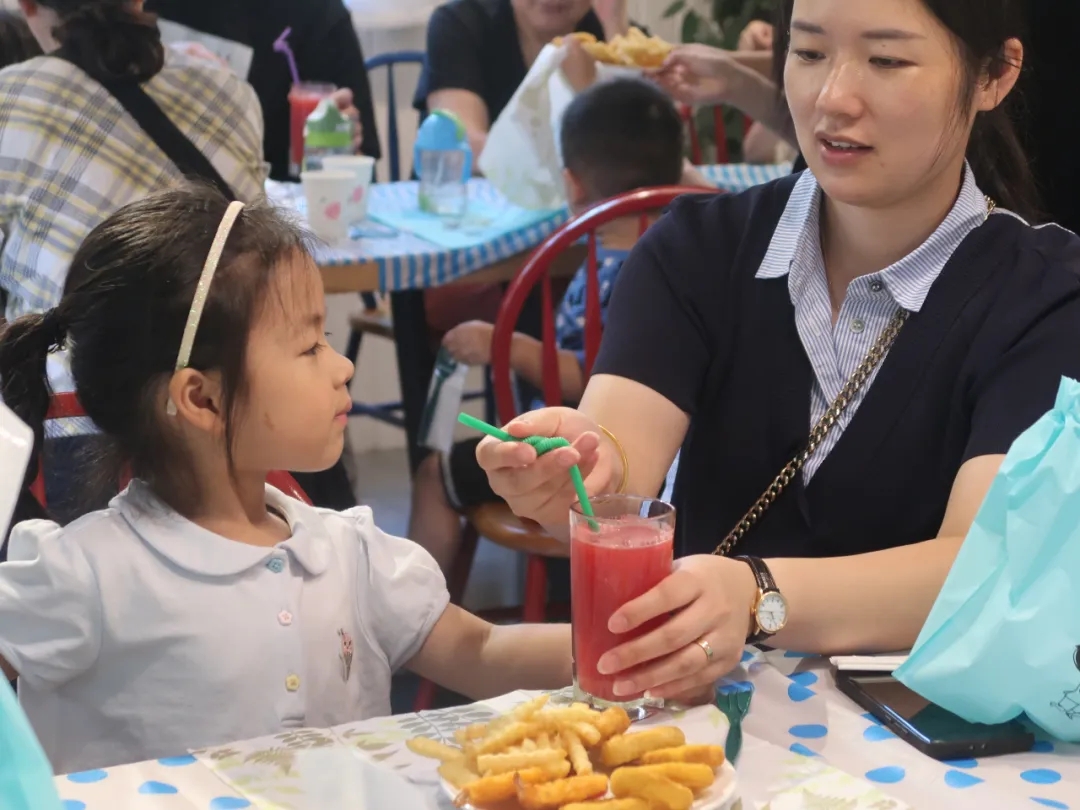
542 445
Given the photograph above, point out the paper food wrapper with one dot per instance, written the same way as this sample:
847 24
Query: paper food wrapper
521 157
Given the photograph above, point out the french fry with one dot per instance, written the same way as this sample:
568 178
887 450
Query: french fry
623 748
476 731
589 734
612 721
457 774
527 710
659 792
543 741
626 803
551 795
711 755
579 757
502 763
494 789
693 775
504 738
433 749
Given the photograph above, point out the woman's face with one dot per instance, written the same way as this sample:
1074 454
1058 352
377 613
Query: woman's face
873 87
550 18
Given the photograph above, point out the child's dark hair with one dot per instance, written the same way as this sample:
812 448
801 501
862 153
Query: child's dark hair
620 135
126 300
980 29
17 44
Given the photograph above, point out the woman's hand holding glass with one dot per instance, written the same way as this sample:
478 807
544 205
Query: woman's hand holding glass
708 600
539 488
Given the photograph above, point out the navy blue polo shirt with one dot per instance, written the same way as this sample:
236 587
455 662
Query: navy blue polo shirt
977 364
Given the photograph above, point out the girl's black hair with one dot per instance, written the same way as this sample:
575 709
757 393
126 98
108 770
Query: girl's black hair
109 39
17 44
980 29
126 300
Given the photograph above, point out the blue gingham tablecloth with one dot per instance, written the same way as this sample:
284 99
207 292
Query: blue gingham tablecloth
406 261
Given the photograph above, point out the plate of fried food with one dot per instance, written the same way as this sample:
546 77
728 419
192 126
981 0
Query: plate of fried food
541 757
634 49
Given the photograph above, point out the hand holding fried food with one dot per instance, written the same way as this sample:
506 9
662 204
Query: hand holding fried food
634 49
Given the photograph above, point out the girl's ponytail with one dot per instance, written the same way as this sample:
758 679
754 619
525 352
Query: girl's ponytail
25 344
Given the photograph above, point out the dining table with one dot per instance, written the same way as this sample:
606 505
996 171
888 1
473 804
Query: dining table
804 746
399 253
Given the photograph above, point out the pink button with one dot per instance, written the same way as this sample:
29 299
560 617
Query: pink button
285 618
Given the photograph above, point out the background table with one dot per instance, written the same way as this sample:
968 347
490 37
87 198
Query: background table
404 265
806 747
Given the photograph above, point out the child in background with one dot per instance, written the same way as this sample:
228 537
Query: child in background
203 606
616 136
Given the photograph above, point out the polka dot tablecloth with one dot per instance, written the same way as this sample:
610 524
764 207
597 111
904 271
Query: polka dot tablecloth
805 747
796 705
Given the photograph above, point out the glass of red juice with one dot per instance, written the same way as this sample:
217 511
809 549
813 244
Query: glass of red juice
615 557
303 99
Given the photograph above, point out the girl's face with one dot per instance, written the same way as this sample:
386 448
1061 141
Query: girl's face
874 88
297 401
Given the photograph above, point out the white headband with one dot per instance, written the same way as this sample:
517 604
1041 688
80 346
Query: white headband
202 289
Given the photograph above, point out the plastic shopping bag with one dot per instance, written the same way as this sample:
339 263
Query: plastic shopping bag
521 156
1003 637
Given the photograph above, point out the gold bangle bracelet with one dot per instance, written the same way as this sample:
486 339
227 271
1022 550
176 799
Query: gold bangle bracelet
622 455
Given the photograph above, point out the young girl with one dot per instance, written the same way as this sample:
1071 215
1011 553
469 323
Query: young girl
204 606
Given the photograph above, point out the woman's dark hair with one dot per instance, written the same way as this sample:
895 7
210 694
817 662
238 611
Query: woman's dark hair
109 39
980 29
17 44
126 300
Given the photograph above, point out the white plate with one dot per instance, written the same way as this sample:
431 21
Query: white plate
719 796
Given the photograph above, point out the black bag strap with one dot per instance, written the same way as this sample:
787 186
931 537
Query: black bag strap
177 147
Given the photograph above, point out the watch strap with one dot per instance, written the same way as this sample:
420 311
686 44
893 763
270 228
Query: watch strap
766 584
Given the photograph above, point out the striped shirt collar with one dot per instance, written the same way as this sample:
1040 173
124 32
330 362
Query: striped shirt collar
908 281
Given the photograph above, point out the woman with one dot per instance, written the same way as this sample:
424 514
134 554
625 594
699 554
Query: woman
479 51
323 41
72 154
741 321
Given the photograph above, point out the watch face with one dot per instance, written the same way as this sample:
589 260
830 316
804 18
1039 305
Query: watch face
772 612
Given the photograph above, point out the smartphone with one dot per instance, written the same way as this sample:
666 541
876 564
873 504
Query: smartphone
928 727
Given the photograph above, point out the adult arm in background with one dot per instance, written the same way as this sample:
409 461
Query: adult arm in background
700 74
454 75
336 56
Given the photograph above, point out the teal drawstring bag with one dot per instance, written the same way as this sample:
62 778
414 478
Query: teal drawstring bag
26 779
1003 637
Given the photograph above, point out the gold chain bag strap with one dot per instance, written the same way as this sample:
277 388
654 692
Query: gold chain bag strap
818 433
824 424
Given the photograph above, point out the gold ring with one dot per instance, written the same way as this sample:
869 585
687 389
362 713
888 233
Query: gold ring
706 647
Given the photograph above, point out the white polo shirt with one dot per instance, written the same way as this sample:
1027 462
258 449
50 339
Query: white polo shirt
139 635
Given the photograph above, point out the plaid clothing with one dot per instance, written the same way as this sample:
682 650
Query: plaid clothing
70 156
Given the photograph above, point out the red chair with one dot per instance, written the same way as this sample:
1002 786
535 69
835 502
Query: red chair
495 521
67 406
697 156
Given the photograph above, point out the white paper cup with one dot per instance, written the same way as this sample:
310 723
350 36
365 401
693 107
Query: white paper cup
361 167
327 193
